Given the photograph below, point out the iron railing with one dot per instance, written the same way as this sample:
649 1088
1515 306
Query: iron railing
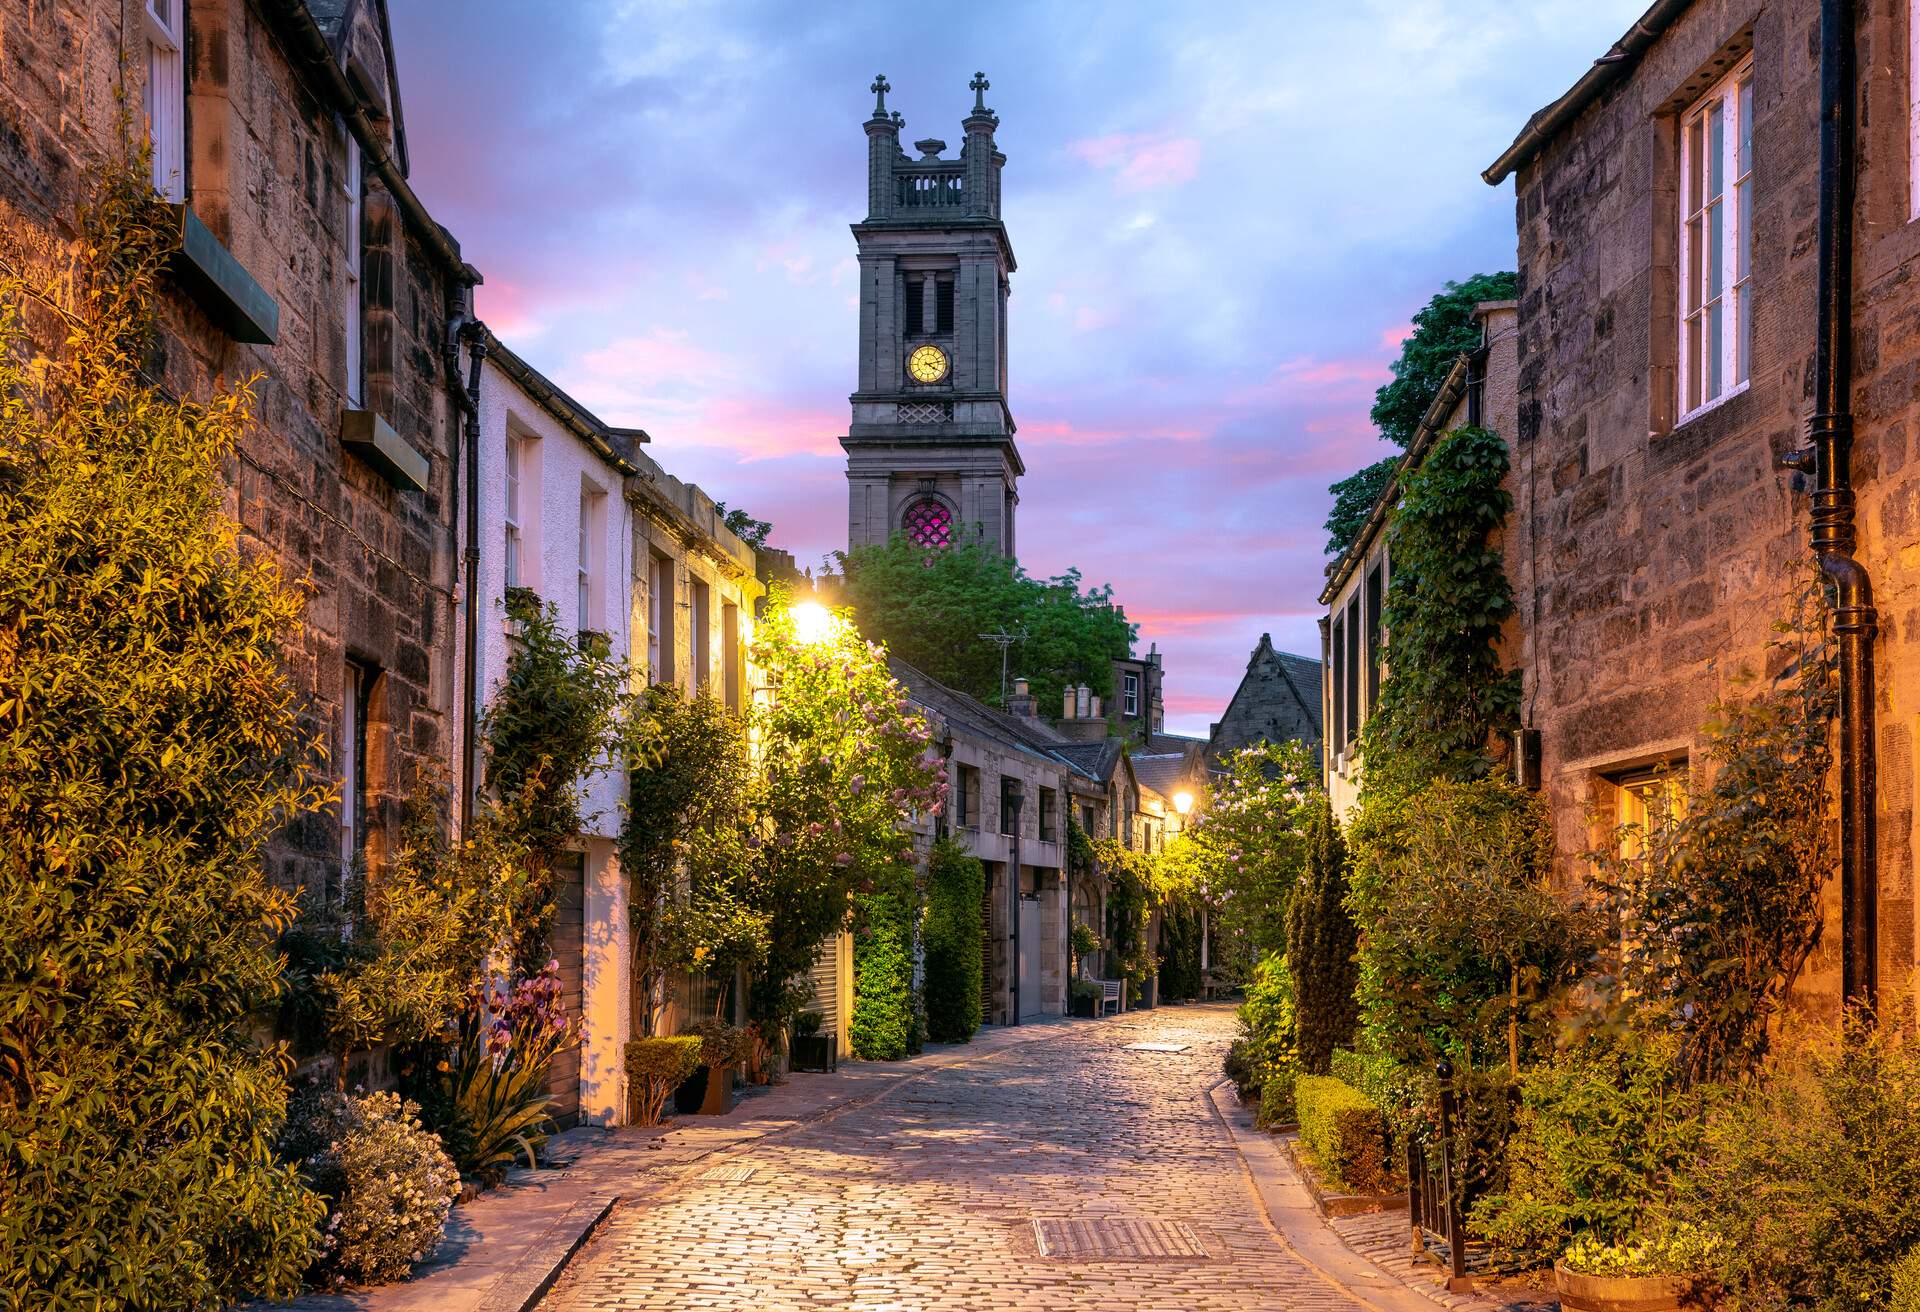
1433 1204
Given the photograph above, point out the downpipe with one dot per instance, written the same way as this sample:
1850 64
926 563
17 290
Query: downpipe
462 326
1829 459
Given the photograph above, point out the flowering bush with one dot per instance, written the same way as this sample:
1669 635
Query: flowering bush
491 1096
1250 847
1264 1053
387 1183
1680 1250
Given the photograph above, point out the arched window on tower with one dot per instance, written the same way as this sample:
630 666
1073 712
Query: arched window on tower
928 523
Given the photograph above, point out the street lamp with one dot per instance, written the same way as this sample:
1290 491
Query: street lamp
1183 801
813 624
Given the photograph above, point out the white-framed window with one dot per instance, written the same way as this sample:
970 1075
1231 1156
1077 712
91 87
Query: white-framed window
1131 694
165 96
587 566
1646 804
515 544
355 307
660 636
699 624
1716 241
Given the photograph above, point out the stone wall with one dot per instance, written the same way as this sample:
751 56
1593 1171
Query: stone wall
1661 554
265 174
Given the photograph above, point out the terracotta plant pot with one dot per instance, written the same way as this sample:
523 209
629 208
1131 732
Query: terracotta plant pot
1579 1293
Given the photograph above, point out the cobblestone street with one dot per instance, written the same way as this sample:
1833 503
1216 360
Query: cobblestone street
928 1196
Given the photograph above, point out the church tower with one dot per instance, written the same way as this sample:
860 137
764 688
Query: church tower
930 448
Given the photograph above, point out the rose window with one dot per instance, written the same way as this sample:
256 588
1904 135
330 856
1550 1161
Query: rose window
928 523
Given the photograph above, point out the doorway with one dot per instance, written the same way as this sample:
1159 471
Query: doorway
1029 955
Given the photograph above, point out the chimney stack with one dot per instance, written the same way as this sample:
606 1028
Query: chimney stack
1067 703
1080 704
1022 702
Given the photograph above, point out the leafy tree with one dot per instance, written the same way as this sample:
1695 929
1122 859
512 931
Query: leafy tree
1252 841
1446 704
689 813
1442 329
930 607
1321 943
951 937
749 530
845 762
149 742
1353 499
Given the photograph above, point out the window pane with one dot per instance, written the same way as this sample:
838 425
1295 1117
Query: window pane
1693 362
1693 266
1716 151
1743 239
1691 201
1716 244
1744 165
1744 308
1714 346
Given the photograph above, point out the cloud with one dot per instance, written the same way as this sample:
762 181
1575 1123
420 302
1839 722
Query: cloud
1141 161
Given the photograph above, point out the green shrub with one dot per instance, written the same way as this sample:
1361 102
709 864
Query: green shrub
1321 943
1905 1280
1599 1141
149 742
1085 990
655 1068
1179 949
1346 1134
1276 1101
1084 941
951 938
1812 1180
387 1183
881 1027
721 1045
1265 1049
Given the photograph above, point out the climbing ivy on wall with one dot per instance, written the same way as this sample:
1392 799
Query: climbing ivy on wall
1445 699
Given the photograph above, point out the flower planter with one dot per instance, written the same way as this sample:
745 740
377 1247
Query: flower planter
815 1052
1086 1008
706 1092
1581 1293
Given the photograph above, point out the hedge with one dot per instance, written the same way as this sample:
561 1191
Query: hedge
951 938
1346 1133
881 1027
655 1068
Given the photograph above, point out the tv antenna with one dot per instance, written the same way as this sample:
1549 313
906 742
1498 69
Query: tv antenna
1004 641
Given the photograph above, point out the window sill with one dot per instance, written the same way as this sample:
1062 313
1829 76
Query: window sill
221 285
1701 411
374 440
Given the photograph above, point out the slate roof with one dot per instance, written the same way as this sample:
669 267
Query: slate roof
1303 676
1163 773
1096 761
970 714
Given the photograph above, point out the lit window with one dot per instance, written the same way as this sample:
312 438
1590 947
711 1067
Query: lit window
1646 805
165 96
1716 243
513 511
354 306
928 523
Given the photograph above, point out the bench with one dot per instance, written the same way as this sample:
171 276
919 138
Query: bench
1213 983
1112 992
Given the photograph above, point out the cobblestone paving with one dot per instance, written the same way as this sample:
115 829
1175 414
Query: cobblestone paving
926 1198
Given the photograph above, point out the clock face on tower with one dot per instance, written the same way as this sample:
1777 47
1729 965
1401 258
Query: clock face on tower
927 364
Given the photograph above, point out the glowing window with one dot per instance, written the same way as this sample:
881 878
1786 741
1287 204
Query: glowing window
928 523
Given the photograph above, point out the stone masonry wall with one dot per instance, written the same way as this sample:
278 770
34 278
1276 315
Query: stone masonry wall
1660 554
265 174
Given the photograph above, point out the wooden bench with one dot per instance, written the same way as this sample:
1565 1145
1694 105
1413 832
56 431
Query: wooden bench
1213 983
1112 992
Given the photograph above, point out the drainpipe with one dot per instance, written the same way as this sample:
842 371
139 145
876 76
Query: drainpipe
466 396
1830 460
1013 918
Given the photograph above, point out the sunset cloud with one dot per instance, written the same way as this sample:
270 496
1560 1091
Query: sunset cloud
1141 162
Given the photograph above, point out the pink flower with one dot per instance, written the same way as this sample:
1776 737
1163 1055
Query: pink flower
844 859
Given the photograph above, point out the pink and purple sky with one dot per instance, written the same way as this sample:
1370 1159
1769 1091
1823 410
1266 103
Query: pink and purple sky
1224 217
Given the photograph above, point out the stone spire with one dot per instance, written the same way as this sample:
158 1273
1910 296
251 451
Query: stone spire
983 183
883 148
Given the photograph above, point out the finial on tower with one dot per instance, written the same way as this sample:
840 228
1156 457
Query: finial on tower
880 88
979 87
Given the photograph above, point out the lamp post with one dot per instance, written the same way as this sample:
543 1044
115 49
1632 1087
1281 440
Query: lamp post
1012 803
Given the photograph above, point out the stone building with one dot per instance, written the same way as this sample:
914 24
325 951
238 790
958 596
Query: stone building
277 135
1479 390
930 450
1671 359
1278 700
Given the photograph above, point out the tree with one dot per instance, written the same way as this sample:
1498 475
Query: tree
1353 500
1252 843
149 742
1442 329
930 607
845 762
753 532
1321 943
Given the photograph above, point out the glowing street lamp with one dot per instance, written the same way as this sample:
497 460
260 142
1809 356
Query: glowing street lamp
1183 801
813 624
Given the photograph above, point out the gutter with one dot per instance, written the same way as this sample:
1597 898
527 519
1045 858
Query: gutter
570 413
313 58
1452 388
1610 68
1829 459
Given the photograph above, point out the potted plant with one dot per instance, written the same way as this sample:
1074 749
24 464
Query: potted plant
709 1089
1663 1272
1084 995
1084 943
812 1050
